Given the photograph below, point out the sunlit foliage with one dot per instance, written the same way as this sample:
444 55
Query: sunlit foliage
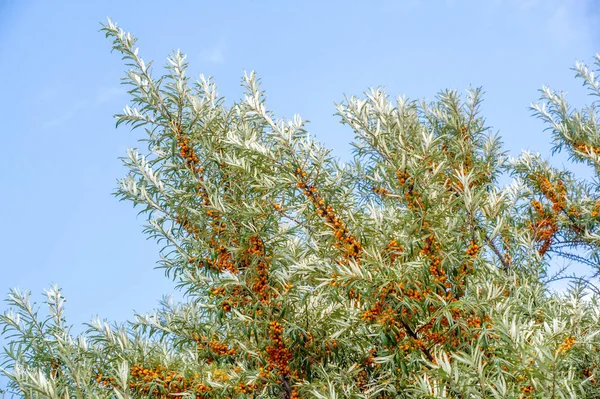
408 273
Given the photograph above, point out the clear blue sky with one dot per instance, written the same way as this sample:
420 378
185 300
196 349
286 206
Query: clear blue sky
60 88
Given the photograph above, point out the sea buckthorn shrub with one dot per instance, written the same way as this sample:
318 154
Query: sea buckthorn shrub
408 273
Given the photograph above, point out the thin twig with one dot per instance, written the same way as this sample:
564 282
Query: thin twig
505 264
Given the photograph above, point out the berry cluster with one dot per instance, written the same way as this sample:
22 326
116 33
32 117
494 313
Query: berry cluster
223 260
477 322
394 251
260 286
382 312
279 357
246 389
330 346
557 195
185 150
220 349
106 381
566 345
473 250
158 382
190 157
381 191
464 269
588 149
362 379
413 198
527 390
596 209
187 225
431 251
589 373
543 229
236 296
397 321
433 334
253 255
215 349
279 354
374 312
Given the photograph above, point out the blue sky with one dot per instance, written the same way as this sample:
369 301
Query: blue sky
60 86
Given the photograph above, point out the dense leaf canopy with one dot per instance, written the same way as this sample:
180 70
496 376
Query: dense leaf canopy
407 273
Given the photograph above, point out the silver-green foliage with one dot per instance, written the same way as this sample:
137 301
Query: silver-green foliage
407 273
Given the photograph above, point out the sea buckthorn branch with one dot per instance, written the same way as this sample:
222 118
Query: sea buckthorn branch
279 361
489 332
433 338
152 380
431 251
505 259
453 289
279 208
412 197
215 349
563 220
162 383
223 259
544 228
385 315
417 341
260 286
345 241
408 185
254 255
256 262
389 142
146 91
574 129
394 251
556 194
